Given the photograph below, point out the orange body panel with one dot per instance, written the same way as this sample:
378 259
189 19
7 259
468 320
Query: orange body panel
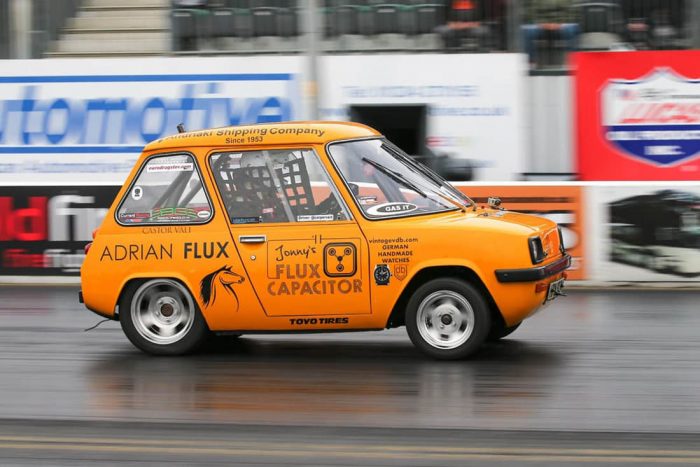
307 275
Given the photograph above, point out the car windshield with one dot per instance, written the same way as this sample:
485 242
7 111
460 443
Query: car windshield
387 183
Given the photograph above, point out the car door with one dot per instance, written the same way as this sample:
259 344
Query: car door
303 252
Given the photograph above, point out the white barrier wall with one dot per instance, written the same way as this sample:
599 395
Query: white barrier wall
474 102
70 120
67 121
644 232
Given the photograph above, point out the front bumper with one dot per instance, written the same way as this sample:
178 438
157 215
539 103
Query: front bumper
534 274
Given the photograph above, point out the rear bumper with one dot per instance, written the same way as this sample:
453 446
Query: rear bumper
534 274
99 313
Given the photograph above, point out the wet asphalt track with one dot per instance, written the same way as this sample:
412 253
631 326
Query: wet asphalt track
597 378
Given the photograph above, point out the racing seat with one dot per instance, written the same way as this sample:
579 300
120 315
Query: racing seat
296 186
249 192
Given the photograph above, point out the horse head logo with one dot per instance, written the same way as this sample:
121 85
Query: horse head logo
222 278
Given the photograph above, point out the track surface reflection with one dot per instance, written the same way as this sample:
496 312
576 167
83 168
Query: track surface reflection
624 362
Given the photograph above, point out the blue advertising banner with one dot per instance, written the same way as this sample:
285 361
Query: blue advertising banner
72 119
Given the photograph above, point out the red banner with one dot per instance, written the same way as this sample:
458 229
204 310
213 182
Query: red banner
638 115
44 229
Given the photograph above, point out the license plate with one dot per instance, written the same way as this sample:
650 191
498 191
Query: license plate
554 290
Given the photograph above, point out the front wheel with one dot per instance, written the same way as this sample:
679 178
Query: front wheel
447 319
160 317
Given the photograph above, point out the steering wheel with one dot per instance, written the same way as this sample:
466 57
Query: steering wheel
328 206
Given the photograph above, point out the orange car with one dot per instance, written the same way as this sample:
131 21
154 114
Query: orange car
314 226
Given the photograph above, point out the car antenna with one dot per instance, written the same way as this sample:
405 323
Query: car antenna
180 128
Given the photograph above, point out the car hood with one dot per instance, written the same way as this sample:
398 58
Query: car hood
492 219
535 223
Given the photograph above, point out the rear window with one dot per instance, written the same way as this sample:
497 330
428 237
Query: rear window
167 190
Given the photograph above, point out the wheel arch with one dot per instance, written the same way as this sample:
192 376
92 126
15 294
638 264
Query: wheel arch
140 279
398 312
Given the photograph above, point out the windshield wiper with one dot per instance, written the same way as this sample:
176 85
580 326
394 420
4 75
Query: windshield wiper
458 196
397 177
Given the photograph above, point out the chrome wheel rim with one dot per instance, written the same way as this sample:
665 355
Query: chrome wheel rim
445 319
162 311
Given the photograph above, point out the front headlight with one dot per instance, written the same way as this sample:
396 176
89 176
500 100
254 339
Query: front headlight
562 247
537 253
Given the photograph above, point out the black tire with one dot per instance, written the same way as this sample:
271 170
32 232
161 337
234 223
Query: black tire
151 309
500 331
456 337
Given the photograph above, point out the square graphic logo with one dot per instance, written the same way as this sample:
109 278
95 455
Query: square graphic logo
340 259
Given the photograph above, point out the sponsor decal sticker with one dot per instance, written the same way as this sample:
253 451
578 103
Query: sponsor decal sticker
382 274
396 249
655 119
400 271
316 218
294 267
305 279
136 193
170 167
160 230
245 220
305 321
340 259
136 252
221 279
390 209
205 250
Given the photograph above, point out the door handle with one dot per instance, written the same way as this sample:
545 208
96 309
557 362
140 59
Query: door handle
252 238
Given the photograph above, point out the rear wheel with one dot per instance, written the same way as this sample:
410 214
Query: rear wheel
160 317
447 319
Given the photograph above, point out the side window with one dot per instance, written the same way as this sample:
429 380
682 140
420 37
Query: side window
288 185
167 190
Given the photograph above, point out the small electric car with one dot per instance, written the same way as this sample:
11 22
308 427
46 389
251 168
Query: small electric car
319 226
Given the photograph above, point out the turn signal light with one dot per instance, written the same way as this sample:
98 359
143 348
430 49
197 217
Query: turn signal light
87 247
540 287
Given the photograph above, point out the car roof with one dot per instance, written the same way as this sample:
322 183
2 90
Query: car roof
268 133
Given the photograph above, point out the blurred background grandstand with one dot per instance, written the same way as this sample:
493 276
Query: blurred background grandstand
546 30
